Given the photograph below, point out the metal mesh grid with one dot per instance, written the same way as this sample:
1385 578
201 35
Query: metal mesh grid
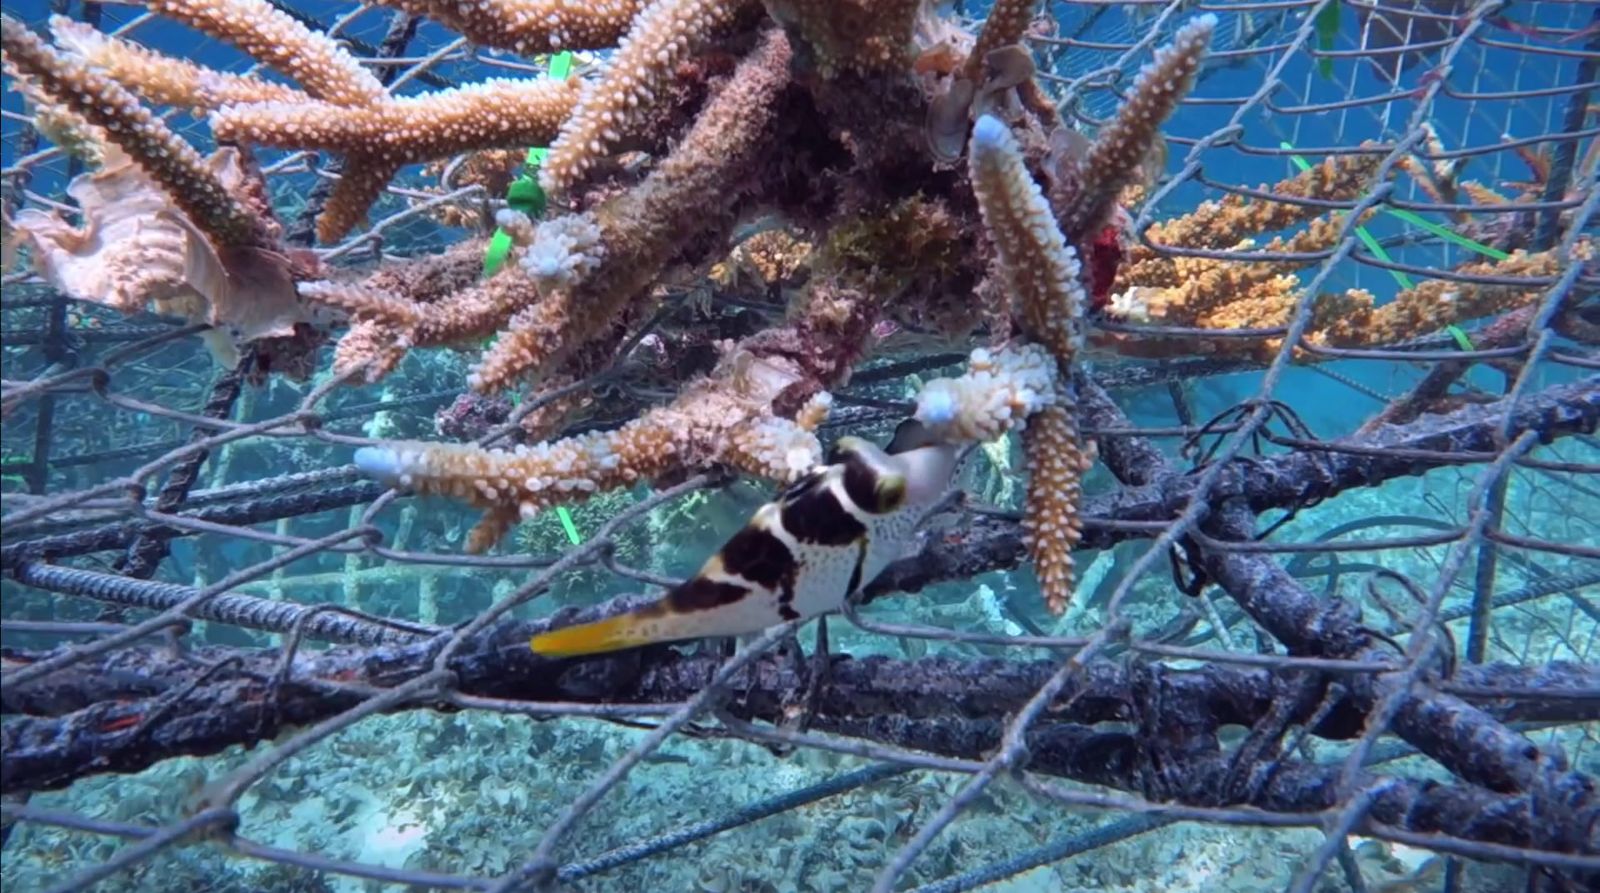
1419 708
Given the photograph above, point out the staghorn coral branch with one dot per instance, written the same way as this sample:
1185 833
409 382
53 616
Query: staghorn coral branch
722 419
641 229
1052 523
56 122
381 137
365 303
1007 21
274 38
864 36
1041 274
1224 223
663 35
1222 294
163 79
1203 291
388 324
362 179
1427 307
165 156
495 114
1113 160
1000 391
1039 268
528 27
430 302
1197 291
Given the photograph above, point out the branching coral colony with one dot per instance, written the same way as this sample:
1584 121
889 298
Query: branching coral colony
838 125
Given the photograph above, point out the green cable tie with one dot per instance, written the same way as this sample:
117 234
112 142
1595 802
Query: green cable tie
561 65
1418 221
567 525
1462 341
1374 246
525 194
1447 234
1361 231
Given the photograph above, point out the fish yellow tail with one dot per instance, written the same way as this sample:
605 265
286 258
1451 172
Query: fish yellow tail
611 634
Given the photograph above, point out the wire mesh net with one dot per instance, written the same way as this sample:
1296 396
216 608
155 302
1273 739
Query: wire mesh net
1335 627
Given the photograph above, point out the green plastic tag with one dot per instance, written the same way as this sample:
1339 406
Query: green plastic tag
1327 31
561 65
1446 234
525 194
567 525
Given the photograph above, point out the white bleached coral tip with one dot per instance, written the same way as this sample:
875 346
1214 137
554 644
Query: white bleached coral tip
990 133
1000 390
380 463
936 406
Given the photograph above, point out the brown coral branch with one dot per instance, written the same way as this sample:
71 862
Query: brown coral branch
165 156
864 36
1430 306
163 79
1114 159
1212 292
1227 294
725 418
1005 25
1225 223
56 122
1041 273
663 35
274 38
433 302
361 182
380 138
1039 268
1052 526
495 114
528 27
641 229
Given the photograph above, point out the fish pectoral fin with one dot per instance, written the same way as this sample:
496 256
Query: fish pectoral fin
599 637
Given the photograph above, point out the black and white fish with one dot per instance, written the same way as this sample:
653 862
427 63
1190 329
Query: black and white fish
799 556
